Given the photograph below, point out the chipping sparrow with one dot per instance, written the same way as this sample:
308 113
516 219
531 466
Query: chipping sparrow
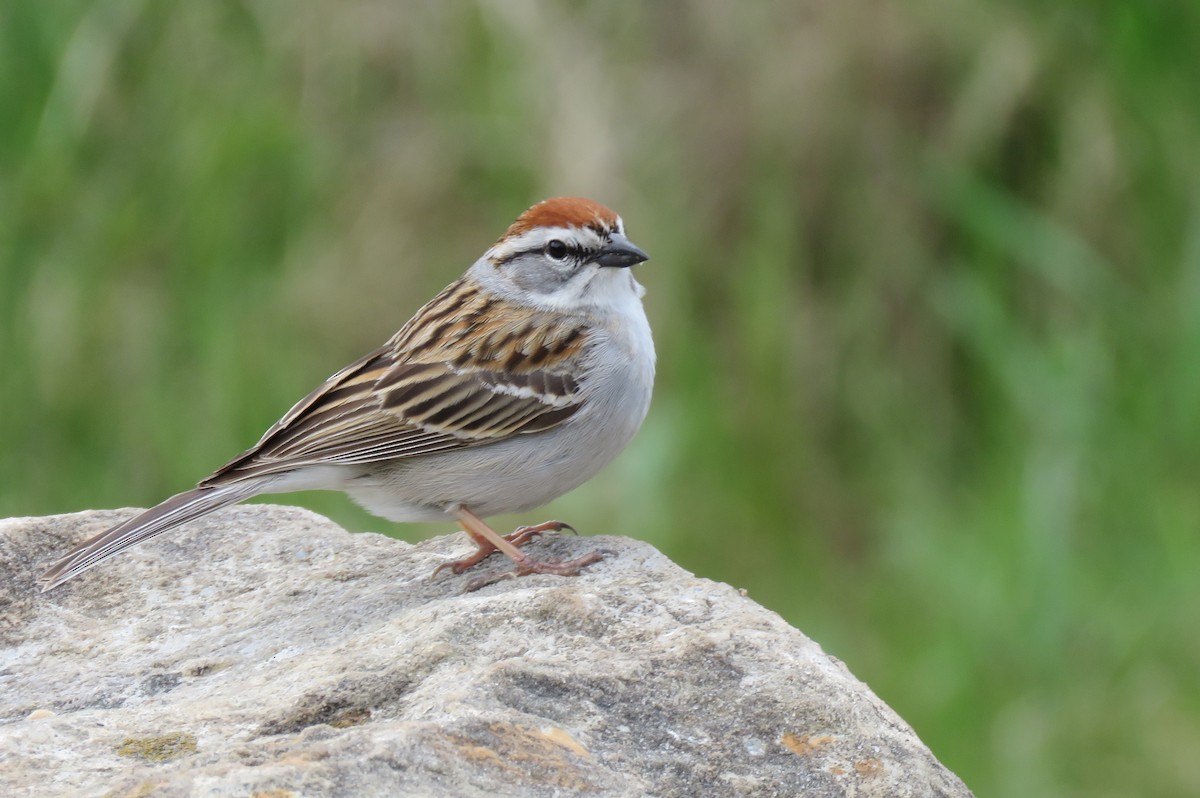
515 384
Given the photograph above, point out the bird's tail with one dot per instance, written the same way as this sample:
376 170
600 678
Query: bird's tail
174 511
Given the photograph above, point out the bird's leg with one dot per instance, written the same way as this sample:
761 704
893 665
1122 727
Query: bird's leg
485 549
479 532
489 542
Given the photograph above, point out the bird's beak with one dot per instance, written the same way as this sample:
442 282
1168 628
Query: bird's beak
620 252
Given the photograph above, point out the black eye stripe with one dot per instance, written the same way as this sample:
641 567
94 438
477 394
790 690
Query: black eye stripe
574 252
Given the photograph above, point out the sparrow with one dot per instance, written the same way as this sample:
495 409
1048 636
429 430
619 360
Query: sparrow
515 384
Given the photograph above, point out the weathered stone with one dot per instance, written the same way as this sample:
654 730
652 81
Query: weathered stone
265 651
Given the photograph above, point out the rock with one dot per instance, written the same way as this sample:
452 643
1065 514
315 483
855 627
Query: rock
265 651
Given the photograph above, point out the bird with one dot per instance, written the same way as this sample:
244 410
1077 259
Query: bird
517 383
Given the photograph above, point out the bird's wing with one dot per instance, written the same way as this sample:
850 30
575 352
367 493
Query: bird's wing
408 398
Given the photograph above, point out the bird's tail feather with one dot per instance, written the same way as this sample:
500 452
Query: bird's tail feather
174 511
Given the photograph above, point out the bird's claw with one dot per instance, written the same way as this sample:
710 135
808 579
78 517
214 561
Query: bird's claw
528 567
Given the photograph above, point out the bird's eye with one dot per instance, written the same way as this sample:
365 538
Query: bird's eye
556 250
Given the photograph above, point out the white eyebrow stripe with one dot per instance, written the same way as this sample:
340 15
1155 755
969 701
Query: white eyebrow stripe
579 237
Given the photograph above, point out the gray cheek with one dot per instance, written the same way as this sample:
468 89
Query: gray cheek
535 275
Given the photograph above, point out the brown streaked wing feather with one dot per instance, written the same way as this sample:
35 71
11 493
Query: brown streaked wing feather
343 385
477 405
339 396
399 402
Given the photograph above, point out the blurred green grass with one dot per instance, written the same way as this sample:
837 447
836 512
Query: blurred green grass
925 287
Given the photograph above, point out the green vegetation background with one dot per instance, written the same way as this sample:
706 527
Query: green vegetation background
926 292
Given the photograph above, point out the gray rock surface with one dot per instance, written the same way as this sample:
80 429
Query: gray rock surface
265 651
